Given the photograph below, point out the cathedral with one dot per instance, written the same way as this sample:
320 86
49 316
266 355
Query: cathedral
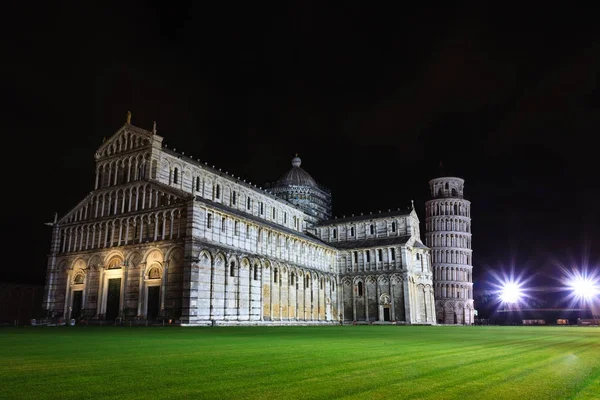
165 236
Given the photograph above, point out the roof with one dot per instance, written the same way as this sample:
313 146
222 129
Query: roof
296 176
229 177
353 218
376 242
262 221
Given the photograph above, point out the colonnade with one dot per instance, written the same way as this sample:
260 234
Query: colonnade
156 225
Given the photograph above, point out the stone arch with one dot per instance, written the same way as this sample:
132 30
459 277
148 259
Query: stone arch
153 255
94 262
112 255
205 257
385 299
78 276
219 259
175 254
134 259
266 263
154 271
78 263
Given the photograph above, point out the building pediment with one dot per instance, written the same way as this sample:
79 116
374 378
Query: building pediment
83 208
127 139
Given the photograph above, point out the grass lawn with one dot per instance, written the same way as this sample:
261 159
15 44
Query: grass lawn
351 362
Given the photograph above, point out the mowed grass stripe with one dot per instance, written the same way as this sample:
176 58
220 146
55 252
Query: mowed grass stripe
300 362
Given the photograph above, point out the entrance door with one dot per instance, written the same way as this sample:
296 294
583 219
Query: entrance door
76 307
153 302
113 298
386 313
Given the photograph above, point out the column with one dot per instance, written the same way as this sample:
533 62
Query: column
141 229
353 302
377 299
366 301
171 230
126 231
140 289
392 294
164 286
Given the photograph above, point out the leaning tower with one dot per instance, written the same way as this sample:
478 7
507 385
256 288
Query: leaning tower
448 234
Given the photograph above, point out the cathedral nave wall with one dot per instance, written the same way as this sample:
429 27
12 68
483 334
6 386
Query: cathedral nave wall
368 228
194 178
229 286
218 226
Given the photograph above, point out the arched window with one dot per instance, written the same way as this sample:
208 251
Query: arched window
275 275
233 197
307 281
447 186
256 272
360 288
223 221
291 279
351 231
371 229
232 269
418 256
176 175
236 228
217 191
248 203
208 221
197 184
379 255
453 192
334 233
393 227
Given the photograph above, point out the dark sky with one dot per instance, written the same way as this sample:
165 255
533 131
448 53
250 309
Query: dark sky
372 98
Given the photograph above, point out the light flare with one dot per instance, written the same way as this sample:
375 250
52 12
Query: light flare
511 293
583 287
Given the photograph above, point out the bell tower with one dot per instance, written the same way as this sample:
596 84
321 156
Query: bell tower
448 234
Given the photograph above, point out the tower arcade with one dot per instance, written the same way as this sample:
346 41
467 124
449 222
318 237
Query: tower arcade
448 234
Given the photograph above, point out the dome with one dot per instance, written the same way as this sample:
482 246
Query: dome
296 176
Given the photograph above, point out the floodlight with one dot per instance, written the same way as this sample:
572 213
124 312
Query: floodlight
584 288
511 293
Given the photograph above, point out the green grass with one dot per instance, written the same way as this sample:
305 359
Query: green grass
350 362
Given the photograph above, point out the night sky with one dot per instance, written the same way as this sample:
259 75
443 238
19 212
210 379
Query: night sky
371 98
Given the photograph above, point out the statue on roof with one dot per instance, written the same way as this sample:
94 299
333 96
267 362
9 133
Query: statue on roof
129 117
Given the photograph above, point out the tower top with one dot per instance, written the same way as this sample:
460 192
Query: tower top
447 186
